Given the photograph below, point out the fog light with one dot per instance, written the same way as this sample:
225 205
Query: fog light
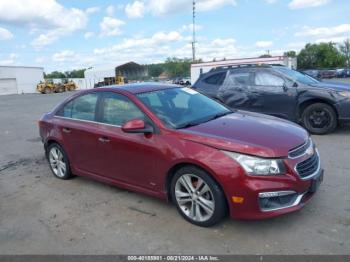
238 200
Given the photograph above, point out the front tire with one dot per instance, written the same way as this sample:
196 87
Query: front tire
58 160
319 119
197 196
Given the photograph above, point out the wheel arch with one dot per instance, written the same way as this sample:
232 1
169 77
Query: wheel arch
171 172
304 104
51 141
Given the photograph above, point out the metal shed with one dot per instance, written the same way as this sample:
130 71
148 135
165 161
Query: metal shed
19 79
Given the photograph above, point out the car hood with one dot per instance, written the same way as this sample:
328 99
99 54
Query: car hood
249 133
335 86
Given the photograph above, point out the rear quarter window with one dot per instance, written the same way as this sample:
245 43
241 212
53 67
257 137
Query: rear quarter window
216 79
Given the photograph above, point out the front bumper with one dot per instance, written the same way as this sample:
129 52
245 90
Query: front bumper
266 197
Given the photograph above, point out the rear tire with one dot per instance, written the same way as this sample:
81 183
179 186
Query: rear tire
58 161
319 119
198 197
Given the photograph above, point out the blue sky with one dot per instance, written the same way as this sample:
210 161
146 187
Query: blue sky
70 34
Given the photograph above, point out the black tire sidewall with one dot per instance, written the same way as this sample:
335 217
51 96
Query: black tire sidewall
68 174
219 197
319 131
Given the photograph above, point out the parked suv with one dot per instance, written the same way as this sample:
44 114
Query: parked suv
279 91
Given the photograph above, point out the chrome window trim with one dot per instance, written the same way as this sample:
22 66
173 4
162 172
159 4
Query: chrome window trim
86 121
295 149
313 174
295 203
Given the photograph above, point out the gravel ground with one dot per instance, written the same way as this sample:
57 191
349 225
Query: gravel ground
40 214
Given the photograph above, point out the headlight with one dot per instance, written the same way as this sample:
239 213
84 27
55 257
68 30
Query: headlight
345 94
258 166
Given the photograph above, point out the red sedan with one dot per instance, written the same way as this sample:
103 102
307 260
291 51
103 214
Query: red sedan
177 144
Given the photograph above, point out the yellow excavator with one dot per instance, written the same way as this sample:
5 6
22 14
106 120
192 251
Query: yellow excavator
69 85
48 86
107 81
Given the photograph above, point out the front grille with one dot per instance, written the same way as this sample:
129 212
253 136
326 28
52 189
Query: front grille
300 150
308 167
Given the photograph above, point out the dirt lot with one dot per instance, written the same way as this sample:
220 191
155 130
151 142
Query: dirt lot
40 214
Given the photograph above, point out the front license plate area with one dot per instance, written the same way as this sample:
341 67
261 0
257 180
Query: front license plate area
316 182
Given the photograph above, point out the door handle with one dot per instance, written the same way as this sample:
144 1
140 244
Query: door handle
103 140
66 130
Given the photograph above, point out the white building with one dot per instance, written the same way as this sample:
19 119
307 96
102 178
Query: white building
19 79
201 68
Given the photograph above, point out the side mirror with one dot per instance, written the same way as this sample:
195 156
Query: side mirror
137 126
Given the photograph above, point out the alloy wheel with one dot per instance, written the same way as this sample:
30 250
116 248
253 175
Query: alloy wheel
194 197
319 118
57 162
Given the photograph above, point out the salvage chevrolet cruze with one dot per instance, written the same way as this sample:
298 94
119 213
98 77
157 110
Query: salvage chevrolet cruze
177 144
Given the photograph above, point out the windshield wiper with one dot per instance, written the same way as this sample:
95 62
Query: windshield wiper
207 119
189 124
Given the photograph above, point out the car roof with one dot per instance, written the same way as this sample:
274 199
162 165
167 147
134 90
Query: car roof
140 87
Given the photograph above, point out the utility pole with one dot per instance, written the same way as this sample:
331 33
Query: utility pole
194 31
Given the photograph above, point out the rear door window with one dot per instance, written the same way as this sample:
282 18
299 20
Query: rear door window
268 79
238 79
82 108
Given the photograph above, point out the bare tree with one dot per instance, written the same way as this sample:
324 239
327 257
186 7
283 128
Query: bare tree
345 49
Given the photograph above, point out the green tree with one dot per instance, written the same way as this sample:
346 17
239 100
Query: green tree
55 74
154 70
68 74
345 49
75 73
290 53
323 55
178 66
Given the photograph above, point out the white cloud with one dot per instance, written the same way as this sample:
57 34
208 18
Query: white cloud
324 31
165 7
92 10
208 5
65 56
141 44
271 1
46 39
111 26
298 4
49 17
11 59
263 44
110 10
135 10
162 45
5 34
88 35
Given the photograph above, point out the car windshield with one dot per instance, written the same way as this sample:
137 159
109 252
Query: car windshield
297 76
182 107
